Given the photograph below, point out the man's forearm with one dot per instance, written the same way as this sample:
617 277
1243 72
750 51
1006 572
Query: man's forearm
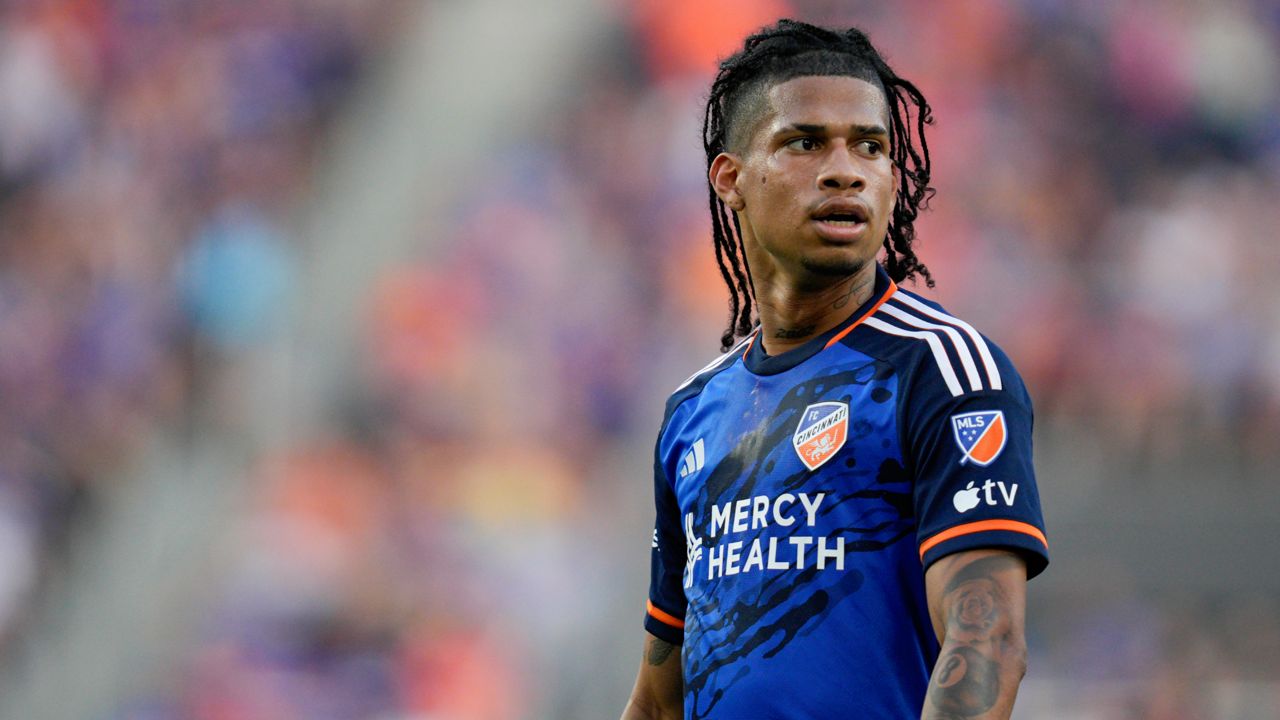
983 656
659 689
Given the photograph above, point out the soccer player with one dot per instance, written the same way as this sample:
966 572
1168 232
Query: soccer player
847 513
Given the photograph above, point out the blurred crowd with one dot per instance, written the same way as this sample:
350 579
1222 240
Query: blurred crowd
150 153
1107 174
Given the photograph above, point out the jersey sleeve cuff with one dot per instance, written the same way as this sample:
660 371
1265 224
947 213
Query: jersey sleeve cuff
1025 538
663 625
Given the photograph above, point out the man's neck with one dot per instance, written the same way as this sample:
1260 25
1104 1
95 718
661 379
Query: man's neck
791 316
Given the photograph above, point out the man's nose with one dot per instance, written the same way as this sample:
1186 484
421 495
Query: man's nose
840 171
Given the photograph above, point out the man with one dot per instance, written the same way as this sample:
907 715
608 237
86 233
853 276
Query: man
846 508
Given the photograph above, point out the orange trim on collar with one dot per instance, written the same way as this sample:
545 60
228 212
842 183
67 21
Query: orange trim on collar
888 293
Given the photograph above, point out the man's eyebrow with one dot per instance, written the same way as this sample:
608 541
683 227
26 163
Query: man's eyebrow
859 130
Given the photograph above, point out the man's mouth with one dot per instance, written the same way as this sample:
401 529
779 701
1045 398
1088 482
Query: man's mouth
840 219
841 212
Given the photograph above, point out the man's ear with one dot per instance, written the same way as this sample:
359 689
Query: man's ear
723 175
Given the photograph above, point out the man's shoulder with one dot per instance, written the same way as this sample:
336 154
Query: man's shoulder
697 382
917 333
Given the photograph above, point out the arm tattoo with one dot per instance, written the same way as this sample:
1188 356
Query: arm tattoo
966 681
659 651
965 684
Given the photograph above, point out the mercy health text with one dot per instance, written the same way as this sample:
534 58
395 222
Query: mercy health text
788 553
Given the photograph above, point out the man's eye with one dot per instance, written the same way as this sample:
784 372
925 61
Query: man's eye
803 143
871 147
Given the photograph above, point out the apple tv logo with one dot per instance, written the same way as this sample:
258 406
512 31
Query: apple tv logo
970 497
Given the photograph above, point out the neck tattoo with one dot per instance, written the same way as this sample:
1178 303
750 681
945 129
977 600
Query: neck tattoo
854 289
793 333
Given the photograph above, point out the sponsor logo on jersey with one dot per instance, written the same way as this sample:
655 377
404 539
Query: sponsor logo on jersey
821 433
693 546
971 497
744 547
694 459
980 435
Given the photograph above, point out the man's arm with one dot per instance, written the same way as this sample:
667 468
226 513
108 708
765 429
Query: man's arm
659 690
977 600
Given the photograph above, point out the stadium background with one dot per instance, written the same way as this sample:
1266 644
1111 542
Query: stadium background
334 336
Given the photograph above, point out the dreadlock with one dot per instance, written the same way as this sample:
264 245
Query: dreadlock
788 50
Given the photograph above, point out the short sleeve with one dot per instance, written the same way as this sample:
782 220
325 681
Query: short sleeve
666 606
971 458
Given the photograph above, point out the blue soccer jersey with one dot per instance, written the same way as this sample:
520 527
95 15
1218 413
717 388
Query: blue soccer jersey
800 498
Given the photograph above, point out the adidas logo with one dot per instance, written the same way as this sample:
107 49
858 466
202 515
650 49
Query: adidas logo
693 459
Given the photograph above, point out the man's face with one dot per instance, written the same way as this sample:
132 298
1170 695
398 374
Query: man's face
814 187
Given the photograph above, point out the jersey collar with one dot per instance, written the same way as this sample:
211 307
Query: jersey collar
761 363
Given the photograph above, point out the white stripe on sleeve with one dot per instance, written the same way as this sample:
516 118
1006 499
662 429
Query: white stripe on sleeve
935 344
962 348
715 362
993 372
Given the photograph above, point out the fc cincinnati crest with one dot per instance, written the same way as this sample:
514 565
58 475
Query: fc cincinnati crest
980 435
822 431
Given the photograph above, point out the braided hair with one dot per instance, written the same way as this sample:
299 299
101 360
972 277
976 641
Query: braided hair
783 52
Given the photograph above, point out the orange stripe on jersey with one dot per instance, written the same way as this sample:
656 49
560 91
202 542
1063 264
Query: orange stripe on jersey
982 526
749 344
893 288
664 617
